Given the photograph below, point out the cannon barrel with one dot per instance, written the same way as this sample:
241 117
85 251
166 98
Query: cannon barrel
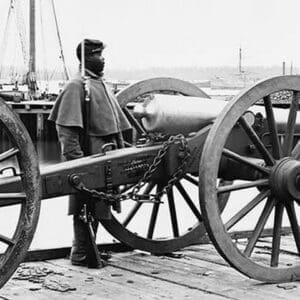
173 114
177 114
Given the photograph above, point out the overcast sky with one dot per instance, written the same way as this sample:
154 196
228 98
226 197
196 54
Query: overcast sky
167 33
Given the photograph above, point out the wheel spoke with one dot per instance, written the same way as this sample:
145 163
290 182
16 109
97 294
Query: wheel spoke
189 201
276 234
9 196
245 161
153 217
290 127
246 209
7 199
137 206
257 142
133 121
242 186
8 154
191 179
132 213
272 128
294 222
173 214
6 240
259 226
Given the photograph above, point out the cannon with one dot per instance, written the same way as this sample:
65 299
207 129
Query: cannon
242 157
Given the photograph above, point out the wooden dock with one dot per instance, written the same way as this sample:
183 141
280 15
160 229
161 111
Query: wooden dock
37 112
197 272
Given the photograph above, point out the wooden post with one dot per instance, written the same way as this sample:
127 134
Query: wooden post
240 61
32 54
39 125
283 68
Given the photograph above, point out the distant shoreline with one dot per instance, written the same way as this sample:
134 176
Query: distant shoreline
186 73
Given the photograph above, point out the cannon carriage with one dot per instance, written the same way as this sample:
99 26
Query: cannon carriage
242 156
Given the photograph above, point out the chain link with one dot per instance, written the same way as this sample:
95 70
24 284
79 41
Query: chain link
98 194
153 167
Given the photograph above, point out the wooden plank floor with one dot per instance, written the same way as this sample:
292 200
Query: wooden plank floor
197 272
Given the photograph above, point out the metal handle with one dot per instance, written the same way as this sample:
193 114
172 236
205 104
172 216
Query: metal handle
111 146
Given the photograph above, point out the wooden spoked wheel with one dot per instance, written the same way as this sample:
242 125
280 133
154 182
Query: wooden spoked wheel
267 205
176 221
19 209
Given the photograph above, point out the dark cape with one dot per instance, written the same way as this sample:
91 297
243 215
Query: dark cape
106 116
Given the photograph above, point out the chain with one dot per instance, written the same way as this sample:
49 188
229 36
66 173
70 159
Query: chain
78 185
133 194
153 167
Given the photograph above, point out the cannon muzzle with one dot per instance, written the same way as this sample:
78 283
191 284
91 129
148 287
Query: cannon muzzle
173 114
177 114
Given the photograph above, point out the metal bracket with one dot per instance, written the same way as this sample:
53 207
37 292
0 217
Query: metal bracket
14 171
108 177
93 256
102 207
108 147
116 205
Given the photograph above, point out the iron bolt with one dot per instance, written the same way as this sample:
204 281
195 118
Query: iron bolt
75 179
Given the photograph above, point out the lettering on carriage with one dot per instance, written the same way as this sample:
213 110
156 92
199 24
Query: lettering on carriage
135 167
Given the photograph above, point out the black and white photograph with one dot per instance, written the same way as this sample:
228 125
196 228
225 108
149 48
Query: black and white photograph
149 149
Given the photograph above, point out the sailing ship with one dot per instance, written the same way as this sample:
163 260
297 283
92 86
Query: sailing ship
29 80
236 81
20 77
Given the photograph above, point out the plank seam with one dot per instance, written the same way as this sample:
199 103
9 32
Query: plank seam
171 281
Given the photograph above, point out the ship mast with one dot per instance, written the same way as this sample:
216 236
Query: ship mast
240 61
28 51
32 85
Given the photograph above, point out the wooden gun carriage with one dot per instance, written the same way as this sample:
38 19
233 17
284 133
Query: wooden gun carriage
241 155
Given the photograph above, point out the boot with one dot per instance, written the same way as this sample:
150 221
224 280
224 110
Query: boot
78 250
78 254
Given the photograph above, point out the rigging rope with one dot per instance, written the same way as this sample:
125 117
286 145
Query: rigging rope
13 73
59 41
20 23
45 73
5 36
20 40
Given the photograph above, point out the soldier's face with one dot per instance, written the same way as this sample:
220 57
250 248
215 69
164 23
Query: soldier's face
98 56
95 63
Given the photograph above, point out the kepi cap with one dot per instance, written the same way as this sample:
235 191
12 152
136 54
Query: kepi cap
91 46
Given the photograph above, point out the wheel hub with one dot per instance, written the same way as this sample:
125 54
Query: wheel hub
285 179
